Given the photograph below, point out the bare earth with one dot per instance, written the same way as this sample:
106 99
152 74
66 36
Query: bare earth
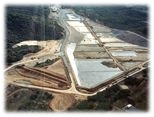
61 102
57 67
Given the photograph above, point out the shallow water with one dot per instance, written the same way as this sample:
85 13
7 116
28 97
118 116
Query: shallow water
123 53
92 73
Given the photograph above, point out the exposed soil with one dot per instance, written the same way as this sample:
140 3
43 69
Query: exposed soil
57 67
61 102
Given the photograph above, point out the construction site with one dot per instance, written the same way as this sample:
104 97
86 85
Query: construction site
91 59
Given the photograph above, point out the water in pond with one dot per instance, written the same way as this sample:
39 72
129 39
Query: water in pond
123 53
92 72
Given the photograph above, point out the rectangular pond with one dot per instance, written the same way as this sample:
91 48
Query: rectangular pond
124 53
91 72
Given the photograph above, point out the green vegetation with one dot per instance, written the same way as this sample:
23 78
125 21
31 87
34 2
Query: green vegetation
46 63
28 23
133 18
109 64
137 95
101 101
17 53
133 81
38 100
29 100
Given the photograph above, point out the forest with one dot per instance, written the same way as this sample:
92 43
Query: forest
28 23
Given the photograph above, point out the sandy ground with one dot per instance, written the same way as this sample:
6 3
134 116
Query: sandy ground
26 43
61 102
13 76
57 67
48 47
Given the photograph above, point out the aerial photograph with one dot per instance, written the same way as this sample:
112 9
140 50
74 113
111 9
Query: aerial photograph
76 58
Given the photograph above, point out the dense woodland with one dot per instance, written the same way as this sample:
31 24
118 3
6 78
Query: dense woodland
28 23
133 18
27 99
101 101
16 54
